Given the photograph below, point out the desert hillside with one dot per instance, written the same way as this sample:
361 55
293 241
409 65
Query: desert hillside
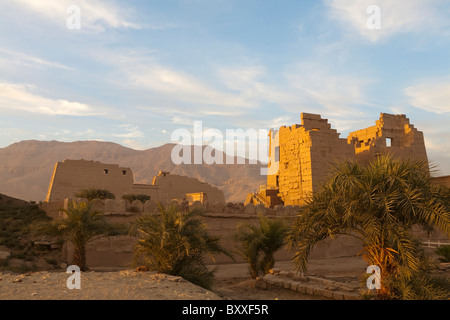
26 167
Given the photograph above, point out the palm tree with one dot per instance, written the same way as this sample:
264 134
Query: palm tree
377 203
80 227
258 244
176 243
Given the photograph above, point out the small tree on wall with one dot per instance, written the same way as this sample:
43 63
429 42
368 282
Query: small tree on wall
94 193
131 197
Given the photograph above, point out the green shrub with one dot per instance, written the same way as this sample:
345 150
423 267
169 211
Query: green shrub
93 193
258 244
176 243
131 197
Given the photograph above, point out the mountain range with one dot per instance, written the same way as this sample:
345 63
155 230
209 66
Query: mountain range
26 167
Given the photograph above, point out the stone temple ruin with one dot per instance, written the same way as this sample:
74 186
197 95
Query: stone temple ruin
300 156
71 176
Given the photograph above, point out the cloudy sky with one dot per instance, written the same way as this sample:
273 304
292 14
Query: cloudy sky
137 70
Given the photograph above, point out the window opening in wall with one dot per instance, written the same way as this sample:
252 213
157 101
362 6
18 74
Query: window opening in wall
106 171
388 142
124 172
277 154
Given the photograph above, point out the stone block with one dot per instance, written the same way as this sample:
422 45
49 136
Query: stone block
279 210
287 284
288 210
123 205
338 296
97 205
260 209
250 209
294 285
301 288
137 206
110 205
327 294
218 207
270 279
310 290
318 291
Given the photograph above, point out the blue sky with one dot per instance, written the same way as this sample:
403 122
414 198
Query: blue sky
137 70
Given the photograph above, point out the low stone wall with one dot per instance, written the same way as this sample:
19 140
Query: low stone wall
53 209
115 207
309 285
117 251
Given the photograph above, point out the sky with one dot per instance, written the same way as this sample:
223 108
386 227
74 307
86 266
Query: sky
135 71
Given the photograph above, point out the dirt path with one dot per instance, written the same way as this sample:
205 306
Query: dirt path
233 280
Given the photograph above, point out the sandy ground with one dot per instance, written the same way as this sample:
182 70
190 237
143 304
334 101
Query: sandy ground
232 282
118 285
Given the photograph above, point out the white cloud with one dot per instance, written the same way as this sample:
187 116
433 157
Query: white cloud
180 86
253 84
22 59
94 15
414 16
432 96
335 94
131 131
16 97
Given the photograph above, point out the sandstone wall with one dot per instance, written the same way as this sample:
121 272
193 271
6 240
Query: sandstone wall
405 141
173 186
221 219
71 176
117 251
307 152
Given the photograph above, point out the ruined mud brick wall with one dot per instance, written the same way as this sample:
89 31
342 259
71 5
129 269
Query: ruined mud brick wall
71 176
307 152
220 219
173 186
406 142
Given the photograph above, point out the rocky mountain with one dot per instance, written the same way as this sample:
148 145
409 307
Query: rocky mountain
26 167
